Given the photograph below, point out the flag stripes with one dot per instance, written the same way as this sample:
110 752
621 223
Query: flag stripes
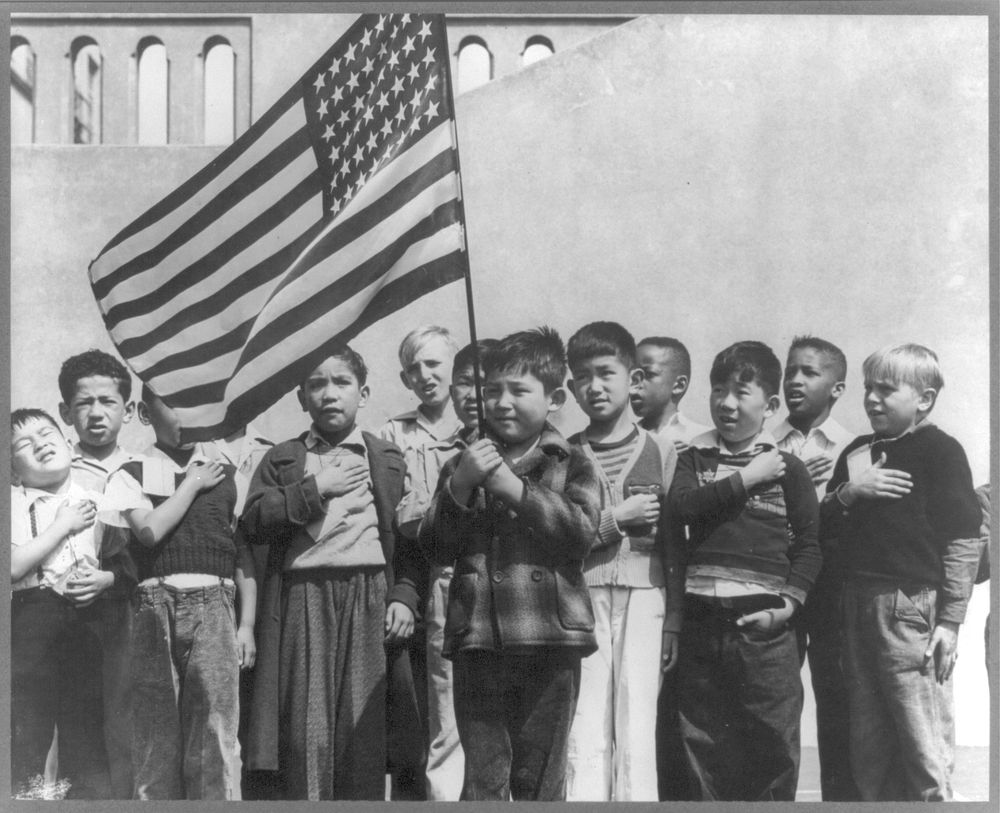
338 206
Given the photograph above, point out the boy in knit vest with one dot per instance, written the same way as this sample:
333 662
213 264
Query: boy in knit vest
752 555
636 587
903 503
187 646
516 513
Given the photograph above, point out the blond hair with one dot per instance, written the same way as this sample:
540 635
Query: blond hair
418 337
911 364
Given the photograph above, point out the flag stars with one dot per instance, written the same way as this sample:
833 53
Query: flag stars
338 94
352 83
380 25
413 73
328 133
372 142
349 53
425 30
414 125
428 56
406 19
335 206
383 100
393 59
320 82
321 110
367 115
334 154
415 101
334 68
432 111
359 154
409 46
397 86
344 117
369 66
432 81
386 128
359 103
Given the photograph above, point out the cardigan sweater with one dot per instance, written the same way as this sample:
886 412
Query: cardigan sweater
518 583
928 537
767 535
282 499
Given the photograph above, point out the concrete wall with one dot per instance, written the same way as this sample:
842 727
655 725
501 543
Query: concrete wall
710 177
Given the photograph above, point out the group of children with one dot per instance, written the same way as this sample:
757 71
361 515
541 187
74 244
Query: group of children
492 611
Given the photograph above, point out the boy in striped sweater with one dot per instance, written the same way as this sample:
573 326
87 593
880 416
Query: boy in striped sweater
634 582
751 556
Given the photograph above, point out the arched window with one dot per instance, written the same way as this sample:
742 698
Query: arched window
152 85
475 64
22 92
220 91
86 61
535 49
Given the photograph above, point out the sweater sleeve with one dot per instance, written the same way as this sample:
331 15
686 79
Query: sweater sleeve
803 518
671 542
276 509
955 515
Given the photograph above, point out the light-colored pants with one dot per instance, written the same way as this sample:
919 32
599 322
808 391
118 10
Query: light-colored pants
445 759
901 717
612 744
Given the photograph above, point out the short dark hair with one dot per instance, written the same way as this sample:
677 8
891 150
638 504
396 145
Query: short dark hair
601 339
93 362
466 357
539 352
676 348
350 357
748 361
833 353
19 417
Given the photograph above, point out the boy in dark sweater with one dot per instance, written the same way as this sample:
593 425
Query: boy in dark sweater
187 646
517 512
752 555
905 510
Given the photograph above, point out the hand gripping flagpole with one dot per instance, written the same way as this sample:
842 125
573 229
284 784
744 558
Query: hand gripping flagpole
480 415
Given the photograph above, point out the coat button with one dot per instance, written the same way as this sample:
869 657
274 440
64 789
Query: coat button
498 576
536 575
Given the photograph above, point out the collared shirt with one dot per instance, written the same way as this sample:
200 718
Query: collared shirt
92 473
425 450
681 429
346 535
243 454
32 511
716 586
827 439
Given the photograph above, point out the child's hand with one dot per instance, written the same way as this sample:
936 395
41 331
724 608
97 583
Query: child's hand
878 483
477 463
817 467
341 478
204 476
943 650
639 509
670 646
84 586
767 620
246 646
763 468
77 516
399 622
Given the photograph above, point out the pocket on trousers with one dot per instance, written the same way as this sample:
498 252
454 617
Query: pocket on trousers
573 602
915 609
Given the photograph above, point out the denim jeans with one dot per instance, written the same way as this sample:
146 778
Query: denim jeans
514 713
740 700
185 676
901 717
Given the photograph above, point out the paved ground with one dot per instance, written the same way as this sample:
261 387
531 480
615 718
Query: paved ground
971 781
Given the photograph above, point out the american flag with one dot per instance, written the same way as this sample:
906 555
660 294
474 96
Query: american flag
340 205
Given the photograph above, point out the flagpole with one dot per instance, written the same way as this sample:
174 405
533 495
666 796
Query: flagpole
470 308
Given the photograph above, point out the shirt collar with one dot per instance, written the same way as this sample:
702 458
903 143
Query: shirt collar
448 428
33 495
199 455
108 464
829 429
315 442
712 440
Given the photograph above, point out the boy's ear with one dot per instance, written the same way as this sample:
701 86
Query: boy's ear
635 377
365 392
66 414
773 405
128 412
927 400
402 377
837 390
556 399
143 412
680 387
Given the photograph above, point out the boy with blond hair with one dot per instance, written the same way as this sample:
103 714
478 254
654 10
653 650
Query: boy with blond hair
516 514
428 436
635 582
903 504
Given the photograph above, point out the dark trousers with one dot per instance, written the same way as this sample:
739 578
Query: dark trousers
514 714
406 716
739 703
116 614
823 626
56 674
